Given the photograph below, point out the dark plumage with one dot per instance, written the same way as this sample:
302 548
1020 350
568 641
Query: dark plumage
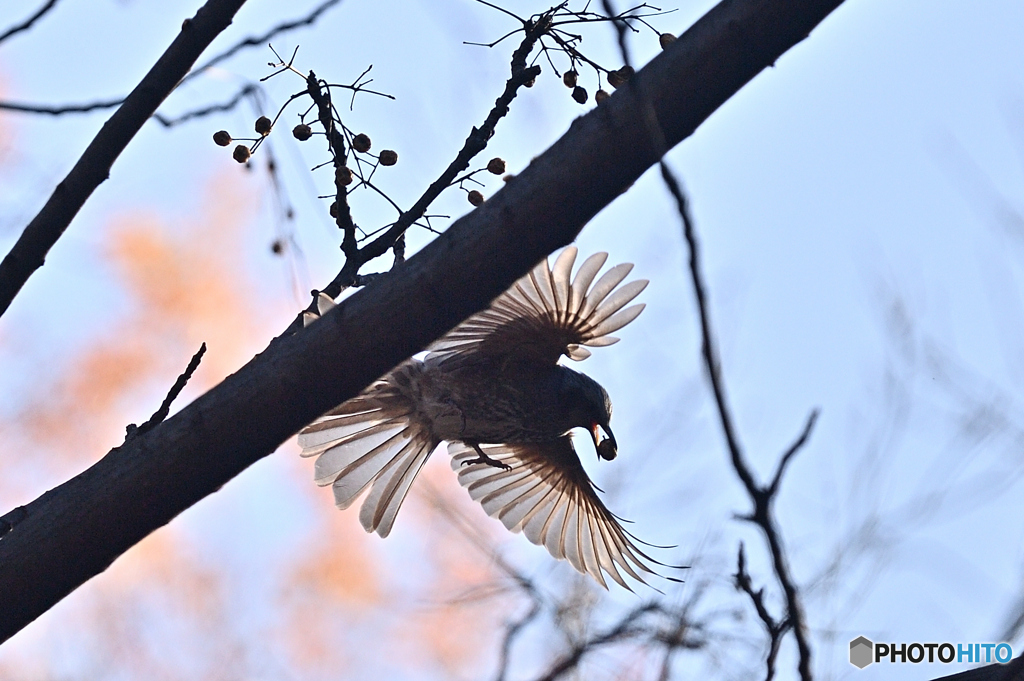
492 388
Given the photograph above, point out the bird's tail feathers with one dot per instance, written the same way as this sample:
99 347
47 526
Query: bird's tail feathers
368 441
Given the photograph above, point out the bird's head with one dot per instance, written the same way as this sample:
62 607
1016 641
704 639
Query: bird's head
591 408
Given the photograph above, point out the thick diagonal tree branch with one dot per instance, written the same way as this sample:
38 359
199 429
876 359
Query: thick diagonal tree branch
77 529
93 167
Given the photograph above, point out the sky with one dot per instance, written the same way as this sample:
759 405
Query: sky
861 214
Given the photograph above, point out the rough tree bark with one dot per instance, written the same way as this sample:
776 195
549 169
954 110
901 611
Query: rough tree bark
77 529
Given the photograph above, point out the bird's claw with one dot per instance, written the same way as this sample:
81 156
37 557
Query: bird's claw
483 458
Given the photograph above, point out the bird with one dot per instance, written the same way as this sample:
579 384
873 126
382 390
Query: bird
494 390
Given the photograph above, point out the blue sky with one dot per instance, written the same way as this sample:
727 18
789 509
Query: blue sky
860 207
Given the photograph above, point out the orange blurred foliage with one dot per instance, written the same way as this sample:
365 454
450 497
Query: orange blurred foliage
326 588
183 284
469 597
167 611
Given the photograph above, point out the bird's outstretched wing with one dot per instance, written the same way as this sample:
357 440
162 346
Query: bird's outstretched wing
546 314
546 495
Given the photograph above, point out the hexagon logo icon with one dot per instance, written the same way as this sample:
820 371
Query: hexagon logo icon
861 652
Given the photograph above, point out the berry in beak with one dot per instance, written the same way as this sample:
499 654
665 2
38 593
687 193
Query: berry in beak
606 449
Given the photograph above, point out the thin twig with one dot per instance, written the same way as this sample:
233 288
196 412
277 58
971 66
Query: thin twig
165 407
11 519
252 41
776 630
247 91
793 449
261 40
707 348
512 631
621 30
474 144
321 96
27 24
502 9
62 109
625 629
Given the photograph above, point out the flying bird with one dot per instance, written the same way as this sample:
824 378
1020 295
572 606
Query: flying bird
494 390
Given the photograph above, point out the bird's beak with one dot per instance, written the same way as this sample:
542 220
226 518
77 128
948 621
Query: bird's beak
606 449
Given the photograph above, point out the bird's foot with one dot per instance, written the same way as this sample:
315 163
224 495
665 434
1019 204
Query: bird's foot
483 458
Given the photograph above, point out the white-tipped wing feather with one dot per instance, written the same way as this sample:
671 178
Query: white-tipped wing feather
546 314
548 497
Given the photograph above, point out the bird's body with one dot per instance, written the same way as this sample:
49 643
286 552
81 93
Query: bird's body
484 403
492 388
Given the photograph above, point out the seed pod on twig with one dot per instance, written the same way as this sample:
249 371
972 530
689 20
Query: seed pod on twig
302 132
496 166
619 78
343 176
221 138
361 143
263 126
579 94
388 157
241 153
475 198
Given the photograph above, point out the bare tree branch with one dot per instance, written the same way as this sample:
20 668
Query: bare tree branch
474 144
797 445
776 630
708 346
165 407
621 31
762 497
76 530
648 623
29 252
251 41
264 39
512 631
27 24
247 90
61 109
523 583
628 627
